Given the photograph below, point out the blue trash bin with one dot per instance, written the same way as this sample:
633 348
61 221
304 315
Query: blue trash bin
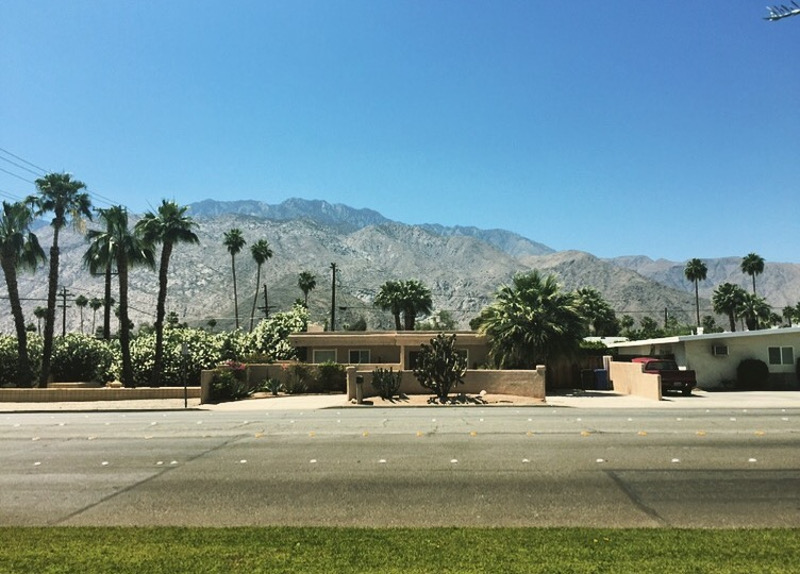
601 379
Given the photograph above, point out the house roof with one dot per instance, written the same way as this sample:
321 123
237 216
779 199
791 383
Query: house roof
380 338
708 337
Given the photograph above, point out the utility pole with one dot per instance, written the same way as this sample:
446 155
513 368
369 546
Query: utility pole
333 296
266 303
63 306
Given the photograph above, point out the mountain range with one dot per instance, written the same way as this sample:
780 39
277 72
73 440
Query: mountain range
463 267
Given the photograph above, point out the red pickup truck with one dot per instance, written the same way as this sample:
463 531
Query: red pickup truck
672 378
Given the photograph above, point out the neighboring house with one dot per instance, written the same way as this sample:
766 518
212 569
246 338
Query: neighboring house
397 349
714 357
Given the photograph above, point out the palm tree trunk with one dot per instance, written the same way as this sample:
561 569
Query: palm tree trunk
50 316
161 309
255 297
124 325
235 298
397 325
732 319
107 307
25 377
697 301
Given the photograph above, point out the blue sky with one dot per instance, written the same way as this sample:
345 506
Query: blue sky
667 129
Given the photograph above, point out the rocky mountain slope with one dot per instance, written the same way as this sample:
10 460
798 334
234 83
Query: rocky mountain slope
463 266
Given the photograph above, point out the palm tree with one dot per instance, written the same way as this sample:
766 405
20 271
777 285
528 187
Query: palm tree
169 226
789 314
696 271
755 310
530 322
128 249
81 302
19 249
60 194
234 241
307 282
727 300
600 318
753 264
94 305
261 252
100 258
389 298
416 301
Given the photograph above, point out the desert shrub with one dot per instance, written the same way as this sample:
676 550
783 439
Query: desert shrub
331 377
229 383
752 374
273 386
298 378
81 358
9 360
386 383
439 366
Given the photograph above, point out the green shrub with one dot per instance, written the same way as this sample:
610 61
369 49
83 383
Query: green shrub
386 383
439 366
298 378
273 386
229 383
271 336
81 358
752 374
9 360
331 377
203 351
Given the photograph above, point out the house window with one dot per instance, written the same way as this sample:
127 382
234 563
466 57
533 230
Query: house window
359 356
324 356
781 355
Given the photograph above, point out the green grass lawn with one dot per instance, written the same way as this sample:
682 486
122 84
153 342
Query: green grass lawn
328 550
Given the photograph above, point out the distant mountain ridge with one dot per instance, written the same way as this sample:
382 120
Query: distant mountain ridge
463 267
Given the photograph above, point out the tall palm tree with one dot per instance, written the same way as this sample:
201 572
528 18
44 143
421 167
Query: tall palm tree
168 226
234 241
696 271
307 282
81 301
100 258
390 298
19 249
61 195
530 322
94 305
727 300
128 249
261 252
416 301
753 264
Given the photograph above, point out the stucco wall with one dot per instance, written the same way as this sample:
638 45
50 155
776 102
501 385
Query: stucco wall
86 394
527 383
628 379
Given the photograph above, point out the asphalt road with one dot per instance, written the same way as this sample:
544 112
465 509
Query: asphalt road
506 466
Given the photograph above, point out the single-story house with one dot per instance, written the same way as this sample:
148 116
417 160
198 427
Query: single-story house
715 356
397 349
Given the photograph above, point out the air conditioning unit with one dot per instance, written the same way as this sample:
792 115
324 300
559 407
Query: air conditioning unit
719 350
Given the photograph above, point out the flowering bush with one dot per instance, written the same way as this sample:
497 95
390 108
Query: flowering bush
203 351
79 357
9 360
271 336
229 383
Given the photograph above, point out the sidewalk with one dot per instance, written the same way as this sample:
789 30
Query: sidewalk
575 399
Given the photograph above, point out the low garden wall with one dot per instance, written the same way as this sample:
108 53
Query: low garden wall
527 383
628 379
73 392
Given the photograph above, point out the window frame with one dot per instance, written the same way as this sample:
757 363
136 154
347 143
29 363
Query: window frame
314 353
